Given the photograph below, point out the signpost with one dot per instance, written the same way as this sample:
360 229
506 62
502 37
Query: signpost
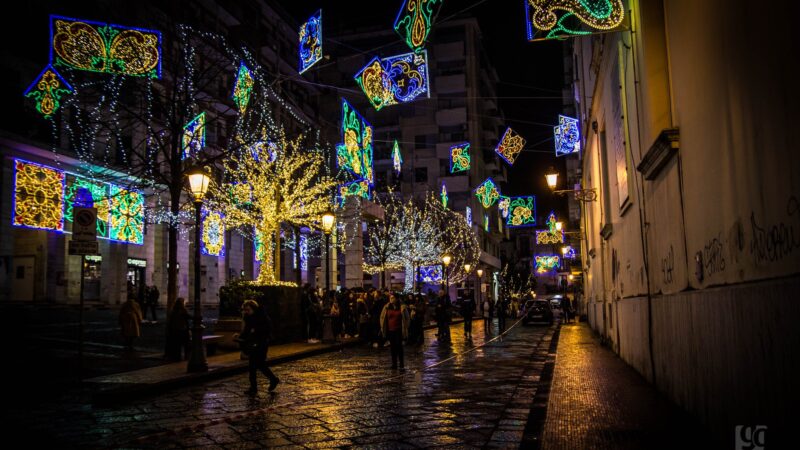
83 242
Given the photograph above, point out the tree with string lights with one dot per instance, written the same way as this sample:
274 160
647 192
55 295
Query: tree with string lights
266 186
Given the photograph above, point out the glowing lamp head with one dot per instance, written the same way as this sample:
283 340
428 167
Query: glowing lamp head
479 272
328 219
198 183
467 267
446 259
564 250
559 226
552 178
571 277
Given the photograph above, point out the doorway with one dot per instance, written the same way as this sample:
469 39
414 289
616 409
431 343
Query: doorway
136 278
23 274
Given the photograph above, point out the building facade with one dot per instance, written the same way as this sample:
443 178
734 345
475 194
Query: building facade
691 256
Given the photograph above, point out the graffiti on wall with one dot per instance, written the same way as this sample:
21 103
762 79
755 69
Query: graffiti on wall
778 241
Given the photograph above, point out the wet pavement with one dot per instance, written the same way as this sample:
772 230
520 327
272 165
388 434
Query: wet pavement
463 395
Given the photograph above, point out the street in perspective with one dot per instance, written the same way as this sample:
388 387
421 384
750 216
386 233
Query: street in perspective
527 224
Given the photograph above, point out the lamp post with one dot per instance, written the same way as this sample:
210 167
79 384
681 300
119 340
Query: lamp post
446 261
198 186
581 195
328 221
479 273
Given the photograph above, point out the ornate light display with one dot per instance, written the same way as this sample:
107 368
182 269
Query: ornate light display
212 239
443 194
551 235
559 18
569 252
414 20
303 251
567 136
397 158
242 87
510 146
487 193
48 89
354 154
105 48
194 136
359 188
486 223
546 263
396 79
376 84
503 205
409 75
459 157
38 196
311 41
430 274
241 193
126 215
521 212
468 215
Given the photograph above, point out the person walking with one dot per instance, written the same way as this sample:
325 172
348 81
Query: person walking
255 336
178 330
442 315
394 327
152 296
467 311
130 322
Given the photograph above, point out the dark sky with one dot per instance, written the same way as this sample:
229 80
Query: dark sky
530 74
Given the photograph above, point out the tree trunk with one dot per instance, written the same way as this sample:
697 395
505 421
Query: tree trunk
172 250
298 277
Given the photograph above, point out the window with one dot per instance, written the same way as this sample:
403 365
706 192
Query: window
423 141
421 175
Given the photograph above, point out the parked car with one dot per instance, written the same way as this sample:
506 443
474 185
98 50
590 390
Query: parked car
538 311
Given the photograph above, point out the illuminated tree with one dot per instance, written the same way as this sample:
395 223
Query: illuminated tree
271 183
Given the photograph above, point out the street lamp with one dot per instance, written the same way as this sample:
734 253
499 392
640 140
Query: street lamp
198 186
559 226
581 195
328 221
479 272
446 261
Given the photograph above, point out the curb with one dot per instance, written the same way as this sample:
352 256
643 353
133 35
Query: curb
534 427
126 392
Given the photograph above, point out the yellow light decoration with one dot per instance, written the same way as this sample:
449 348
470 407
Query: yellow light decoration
510 146
213 236
551 235
127 215
47 90
603 15
105 48
38 196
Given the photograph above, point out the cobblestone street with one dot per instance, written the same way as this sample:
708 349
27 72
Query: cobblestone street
479 397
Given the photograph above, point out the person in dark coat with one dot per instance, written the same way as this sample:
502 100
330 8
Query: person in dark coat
152 302
255 336
130 322
178 330
442 315
467 311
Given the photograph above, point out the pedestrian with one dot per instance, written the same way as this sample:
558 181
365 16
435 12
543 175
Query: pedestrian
178 330
375 318
442 315
336 320
255 336
467 311
312 311
130 322
363 318
394 327
566 307
152 302
487 317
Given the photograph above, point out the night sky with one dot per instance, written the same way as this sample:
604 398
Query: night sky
531 75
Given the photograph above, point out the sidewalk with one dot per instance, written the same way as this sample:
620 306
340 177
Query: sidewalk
597 401
125 386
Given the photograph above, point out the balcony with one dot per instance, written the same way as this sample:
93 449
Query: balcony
455 116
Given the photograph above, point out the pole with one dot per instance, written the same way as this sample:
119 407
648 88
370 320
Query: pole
197 361
328 261
80 320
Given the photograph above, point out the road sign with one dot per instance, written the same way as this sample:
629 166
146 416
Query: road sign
84 225
83 247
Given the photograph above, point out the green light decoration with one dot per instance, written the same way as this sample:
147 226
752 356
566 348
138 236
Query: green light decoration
486 223
354 154
444 195
397 158
358 188
194 136
414 21
47 90
459 158
241 193
242 88
260 247
565 18
546 263
100 197
487 193
376 83
551 235
127 215
105 48
521 212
